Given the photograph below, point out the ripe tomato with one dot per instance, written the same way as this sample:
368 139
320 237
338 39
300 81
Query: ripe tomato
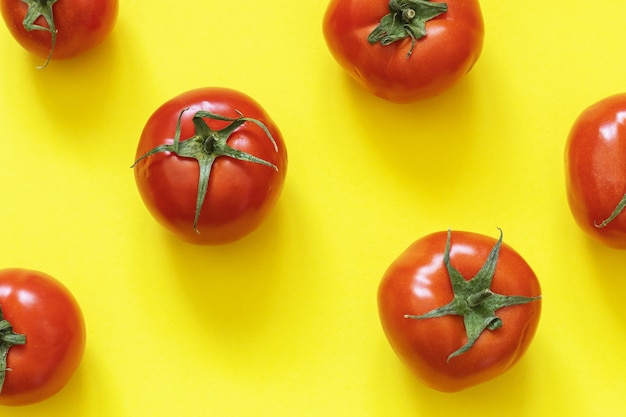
405 50
210 165
59 28
459 309
43 319
595 171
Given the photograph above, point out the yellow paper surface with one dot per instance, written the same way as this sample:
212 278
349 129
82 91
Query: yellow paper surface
284 322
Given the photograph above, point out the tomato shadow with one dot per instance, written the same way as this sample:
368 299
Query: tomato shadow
80 99
76 88
431 145
84 391
511 393
610 277
239 294
425 142
227 283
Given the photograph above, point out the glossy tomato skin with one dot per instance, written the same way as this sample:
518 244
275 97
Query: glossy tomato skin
240 194
41 308
418 282
595 169
80 24
439 60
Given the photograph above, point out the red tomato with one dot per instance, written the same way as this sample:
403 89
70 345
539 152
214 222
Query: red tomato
59 28
386 46
226 175
50 322
595 171
459 309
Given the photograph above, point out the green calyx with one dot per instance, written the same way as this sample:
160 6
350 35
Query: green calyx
41 8
620 207
8 338
474 299
207 145
406 18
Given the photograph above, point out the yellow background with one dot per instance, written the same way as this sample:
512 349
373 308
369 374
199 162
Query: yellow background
284 322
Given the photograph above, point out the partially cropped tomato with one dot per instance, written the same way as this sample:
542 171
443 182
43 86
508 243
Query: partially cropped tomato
59 28
459 308
211 165
42 336
595 171
405 50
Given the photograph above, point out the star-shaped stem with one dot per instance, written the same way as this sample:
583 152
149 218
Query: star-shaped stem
8 338
474 300
406 18
41 8
207 145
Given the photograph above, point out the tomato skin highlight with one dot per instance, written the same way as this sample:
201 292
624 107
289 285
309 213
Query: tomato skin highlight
595 169
418 282
240 194
42 309
449 50
81 25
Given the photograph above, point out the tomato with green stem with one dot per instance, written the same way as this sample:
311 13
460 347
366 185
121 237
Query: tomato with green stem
595 171
459 308
59 28
210 165
42 336
405 50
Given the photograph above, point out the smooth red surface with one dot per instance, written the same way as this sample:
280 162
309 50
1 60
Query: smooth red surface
81 25
240 194
418 282
440 59
595 169
42 309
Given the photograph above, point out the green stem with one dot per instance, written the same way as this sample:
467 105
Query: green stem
43 8
406 19
474 299
8 338
207 145
620 207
